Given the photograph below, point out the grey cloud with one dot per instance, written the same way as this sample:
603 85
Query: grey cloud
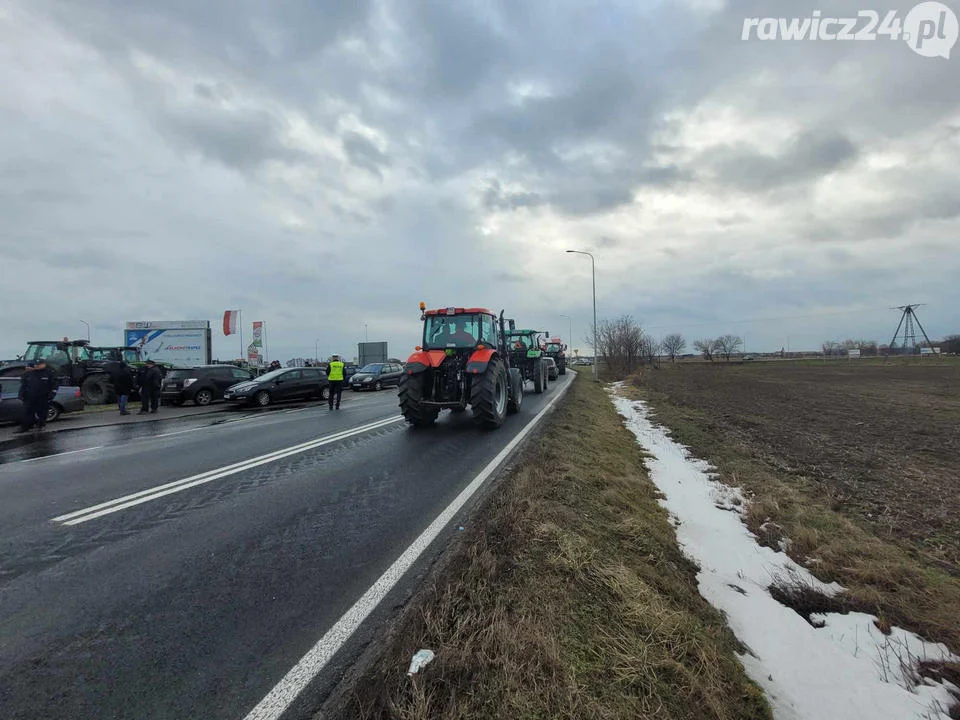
495 198
364 154
807 156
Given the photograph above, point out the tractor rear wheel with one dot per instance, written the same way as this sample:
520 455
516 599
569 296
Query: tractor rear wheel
516 392
488 395
539 377
97 389
410 390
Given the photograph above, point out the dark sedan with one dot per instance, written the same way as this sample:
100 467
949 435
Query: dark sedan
376 376
280 385
67 399
200 385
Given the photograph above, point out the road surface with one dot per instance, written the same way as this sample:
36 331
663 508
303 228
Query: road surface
215 567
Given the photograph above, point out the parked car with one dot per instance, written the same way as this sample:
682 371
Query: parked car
200 385
376 376
349 370
280 385
553 372
67 399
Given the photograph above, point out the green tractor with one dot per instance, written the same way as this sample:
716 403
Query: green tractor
558 351
74 362
527 355
462 361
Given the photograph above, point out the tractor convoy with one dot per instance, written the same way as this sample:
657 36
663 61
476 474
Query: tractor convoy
470 357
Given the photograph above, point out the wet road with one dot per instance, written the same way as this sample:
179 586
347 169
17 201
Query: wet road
181 569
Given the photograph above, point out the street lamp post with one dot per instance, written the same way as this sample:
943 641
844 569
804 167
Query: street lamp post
316 351
88 329
593 271
570 335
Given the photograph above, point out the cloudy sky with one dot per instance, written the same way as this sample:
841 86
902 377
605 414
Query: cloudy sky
326 165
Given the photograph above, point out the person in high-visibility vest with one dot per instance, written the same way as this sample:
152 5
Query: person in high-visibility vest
335 375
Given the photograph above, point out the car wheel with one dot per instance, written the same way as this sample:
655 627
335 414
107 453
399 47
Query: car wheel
53 412
324 393
203 397
378 385
262 398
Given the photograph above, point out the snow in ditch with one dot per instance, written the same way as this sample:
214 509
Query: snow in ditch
848 669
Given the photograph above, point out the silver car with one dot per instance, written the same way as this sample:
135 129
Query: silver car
67 399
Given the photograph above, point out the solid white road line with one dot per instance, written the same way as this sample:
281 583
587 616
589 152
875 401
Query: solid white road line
286 691
121 503
69 452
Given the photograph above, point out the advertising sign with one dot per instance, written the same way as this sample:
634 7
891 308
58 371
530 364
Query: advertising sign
181 343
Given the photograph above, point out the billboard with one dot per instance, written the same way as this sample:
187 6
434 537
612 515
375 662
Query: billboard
372 352
183 343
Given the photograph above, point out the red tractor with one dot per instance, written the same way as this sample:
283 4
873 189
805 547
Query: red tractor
463 360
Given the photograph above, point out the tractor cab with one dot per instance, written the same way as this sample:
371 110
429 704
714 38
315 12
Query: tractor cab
57 355
526 348
558 351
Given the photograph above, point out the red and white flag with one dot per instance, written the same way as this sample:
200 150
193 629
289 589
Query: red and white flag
230 320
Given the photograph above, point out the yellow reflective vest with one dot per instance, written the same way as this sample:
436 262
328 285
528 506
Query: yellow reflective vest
335 370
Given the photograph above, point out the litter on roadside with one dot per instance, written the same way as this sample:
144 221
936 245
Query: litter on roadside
420 659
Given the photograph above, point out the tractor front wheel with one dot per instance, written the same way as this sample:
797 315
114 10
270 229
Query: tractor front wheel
410 390
539 377
97 389
488 395
516 392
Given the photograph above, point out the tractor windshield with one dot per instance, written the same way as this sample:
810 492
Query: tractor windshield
50 353
520 342
554 347
130 356
458 331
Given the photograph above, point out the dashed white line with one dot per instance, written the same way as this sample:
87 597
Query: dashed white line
138 498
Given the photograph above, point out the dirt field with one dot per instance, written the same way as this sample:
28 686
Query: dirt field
858 462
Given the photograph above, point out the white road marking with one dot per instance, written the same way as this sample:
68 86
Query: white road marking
286 691
138 498
69 452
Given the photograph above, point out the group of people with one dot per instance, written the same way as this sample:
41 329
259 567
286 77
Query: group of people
147 380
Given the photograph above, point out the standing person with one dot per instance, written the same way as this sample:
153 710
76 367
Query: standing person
150 388
335 375
123 386
37 388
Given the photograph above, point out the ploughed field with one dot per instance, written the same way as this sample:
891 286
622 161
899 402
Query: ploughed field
880 440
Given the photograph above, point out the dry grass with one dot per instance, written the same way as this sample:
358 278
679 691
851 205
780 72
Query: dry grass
569 598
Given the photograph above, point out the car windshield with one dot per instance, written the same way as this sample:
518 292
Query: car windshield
371 368
457 331
272 375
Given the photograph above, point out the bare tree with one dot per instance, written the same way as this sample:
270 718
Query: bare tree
706 347
620 344
950 344
673 345
728 344
651 350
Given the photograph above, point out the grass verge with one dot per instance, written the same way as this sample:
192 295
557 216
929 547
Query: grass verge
567 598
883 576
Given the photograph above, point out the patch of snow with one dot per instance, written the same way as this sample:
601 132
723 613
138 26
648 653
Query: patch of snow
846 669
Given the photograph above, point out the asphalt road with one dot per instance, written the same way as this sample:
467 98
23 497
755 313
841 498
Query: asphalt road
205 567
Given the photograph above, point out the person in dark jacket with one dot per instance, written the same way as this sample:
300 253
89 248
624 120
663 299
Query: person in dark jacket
38 385
150 388
123 386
